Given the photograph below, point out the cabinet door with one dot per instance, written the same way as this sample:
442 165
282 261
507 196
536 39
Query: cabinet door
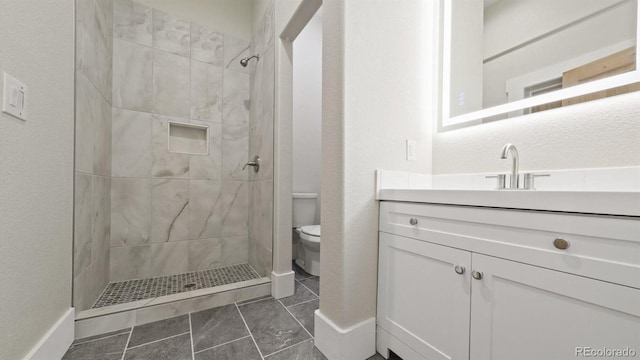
526 312
422 301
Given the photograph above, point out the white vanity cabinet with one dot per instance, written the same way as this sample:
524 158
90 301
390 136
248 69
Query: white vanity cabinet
525 312
422 301
490 284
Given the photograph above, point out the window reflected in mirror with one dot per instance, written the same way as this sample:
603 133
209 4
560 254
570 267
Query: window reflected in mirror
504 51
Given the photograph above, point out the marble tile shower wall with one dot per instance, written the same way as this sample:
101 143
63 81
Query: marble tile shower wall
170 212
91 256
261 143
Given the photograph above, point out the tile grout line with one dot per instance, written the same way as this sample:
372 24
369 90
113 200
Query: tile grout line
124 351
227 343
193 353
159 340
289 347
99 338
306 287
305 275
296 319
254 301
300 303
249 330
150 47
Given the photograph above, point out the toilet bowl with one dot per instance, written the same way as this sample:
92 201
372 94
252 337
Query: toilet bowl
309 249
306 234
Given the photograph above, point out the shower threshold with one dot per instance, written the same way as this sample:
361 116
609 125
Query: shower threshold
136 294
149 288
164 297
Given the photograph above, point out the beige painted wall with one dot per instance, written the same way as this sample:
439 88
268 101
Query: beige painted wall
234 17
375 96
307 110
36 173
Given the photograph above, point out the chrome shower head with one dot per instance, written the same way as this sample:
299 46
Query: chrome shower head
244 62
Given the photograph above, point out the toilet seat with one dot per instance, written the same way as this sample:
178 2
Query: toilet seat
313 230
310 233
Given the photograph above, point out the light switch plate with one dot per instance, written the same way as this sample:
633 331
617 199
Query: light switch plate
14 97
411 150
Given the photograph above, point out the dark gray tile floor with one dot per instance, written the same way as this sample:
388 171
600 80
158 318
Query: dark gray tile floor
260 329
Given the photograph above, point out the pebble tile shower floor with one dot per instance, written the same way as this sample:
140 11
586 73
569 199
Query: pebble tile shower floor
140 289
259 329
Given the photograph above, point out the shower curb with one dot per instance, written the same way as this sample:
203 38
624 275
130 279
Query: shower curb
116 317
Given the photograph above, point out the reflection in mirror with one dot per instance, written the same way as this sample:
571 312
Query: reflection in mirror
504 51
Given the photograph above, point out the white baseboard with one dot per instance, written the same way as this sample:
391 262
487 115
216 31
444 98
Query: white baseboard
357 342
282 285
56 341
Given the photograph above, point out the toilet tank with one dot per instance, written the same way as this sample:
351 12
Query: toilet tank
304 209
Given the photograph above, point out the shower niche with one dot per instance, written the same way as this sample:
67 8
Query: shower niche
166 118
188 138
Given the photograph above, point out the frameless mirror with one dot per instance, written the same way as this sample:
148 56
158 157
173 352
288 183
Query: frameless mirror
506 58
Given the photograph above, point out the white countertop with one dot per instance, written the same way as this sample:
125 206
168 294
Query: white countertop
589 202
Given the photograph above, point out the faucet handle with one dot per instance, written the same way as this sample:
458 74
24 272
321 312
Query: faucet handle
529 180
500 180
255 163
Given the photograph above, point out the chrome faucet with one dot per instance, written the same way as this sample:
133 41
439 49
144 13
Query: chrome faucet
510 148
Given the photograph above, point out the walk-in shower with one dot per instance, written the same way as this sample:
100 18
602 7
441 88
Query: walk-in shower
165 122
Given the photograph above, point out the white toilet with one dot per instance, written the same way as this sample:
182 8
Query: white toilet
304 214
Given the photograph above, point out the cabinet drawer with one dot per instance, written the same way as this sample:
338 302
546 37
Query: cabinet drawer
599 247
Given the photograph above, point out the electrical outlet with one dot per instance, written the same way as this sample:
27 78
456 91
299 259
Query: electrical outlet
411 150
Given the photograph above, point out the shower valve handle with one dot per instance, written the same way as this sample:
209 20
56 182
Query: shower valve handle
255 163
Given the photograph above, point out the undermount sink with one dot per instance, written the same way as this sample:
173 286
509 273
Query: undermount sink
622 203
